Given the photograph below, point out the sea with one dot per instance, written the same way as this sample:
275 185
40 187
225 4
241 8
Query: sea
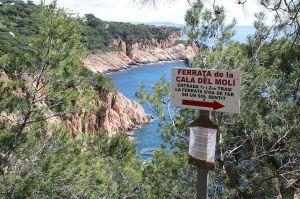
128 81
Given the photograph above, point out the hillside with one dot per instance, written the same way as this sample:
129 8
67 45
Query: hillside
100 35
110 45
19 21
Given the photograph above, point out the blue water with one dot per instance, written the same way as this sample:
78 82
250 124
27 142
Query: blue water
128 81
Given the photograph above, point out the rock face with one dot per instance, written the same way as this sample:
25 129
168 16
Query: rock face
139 53
113 114
120 113
111 61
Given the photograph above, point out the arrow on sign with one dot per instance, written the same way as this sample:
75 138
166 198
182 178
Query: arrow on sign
215 105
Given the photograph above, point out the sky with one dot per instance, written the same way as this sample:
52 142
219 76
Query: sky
165 11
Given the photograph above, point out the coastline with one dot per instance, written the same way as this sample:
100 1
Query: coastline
128 81
117 116
116 61
141 65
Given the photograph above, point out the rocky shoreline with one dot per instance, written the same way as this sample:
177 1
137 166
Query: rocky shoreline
127 114
114 112
141 65
115 61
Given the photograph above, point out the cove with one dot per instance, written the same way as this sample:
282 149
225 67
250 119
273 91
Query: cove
128 82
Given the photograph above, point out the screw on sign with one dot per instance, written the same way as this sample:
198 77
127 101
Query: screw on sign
207 90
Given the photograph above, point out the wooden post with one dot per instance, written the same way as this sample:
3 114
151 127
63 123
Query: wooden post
202 175
202 166
202 183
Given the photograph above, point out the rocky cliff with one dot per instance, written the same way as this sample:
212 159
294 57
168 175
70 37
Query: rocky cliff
121 113
139 53
112 114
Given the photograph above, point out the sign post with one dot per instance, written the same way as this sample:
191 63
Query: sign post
202 150
202 184
207 90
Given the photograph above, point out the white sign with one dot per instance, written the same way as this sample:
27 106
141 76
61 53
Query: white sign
217 90
202 144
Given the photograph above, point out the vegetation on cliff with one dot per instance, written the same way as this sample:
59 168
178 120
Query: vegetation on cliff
99 35
19 22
